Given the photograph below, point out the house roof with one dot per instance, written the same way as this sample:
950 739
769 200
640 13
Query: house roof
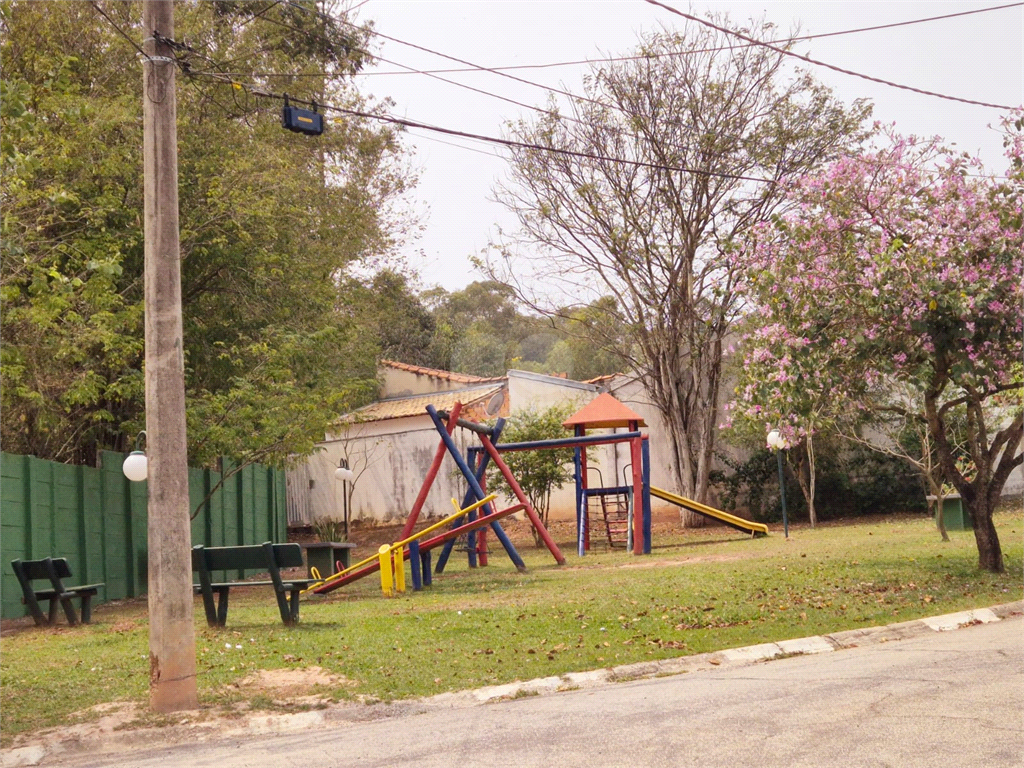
416 405
604 411
437 373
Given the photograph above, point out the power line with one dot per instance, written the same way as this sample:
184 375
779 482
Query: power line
818 63
611 59
415 132
413 70
259 14
256 91
120 31
751 41
451 58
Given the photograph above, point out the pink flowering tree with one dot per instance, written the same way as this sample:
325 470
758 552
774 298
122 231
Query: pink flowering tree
898 265
787 385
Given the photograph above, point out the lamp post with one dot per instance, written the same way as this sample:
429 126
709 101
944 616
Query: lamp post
778 443
345 475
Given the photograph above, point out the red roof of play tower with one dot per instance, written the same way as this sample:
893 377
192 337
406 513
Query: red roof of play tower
603 411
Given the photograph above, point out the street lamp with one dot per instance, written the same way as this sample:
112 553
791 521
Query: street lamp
777 442
136 465
346 476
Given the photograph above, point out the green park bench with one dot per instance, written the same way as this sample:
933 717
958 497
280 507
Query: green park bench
53 570
265 557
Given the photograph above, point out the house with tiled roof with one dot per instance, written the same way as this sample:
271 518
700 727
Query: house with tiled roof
390 443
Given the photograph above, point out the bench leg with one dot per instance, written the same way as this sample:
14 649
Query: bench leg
222 606
86 609
69 611
282 606
294 612
54 605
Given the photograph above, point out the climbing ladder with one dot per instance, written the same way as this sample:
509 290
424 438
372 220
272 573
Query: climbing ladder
610 508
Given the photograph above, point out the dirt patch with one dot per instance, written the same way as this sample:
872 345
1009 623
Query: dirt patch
291 683
660 563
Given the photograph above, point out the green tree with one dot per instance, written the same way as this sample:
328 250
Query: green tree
478 328
389 310
271 222
594 341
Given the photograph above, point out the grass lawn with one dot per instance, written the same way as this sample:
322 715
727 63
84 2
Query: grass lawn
699 591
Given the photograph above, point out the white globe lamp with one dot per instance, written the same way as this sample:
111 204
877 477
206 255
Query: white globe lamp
136 466
344 474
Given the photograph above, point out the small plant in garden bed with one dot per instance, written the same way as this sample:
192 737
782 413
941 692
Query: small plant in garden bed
329 529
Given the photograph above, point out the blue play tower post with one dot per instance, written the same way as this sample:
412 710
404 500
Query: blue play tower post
474 485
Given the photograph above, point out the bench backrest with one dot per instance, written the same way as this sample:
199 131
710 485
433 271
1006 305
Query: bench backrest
38 569
245 557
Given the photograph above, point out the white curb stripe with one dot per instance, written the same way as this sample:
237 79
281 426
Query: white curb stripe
957 620
815 644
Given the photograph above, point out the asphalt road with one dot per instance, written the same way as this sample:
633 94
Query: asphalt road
951 699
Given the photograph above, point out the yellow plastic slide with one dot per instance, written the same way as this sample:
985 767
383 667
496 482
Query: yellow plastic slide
756 529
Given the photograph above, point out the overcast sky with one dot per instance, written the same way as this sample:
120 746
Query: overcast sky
979 57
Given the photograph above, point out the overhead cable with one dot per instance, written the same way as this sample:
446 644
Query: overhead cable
385 118
612 59
816 62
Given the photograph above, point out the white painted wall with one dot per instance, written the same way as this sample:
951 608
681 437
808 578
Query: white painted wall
390 459
534 390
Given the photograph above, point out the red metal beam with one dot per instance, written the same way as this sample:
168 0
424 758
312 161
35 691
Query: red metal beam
530 512
428 481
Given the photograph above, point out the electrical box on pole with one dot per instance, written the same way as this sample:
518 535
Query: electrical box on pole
306 121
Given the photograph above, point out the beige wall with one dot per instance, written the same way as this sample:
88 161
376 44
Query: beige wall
399 383
528 390
390 459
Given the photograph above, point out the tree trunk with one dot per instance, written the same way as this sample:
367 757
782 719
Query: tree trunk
979 496
812 477
682 463
936 491
805 480
940 522
990 554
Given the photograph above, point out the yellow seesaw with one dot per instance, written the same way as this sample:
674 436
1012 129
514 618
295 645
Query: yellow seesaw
390 558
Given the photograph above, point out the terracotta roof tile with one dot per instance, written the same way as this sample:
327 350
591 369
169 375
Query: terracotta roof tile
401 407
437 373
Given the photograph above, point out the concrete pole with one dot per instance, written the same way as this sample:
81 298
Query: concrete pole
172 652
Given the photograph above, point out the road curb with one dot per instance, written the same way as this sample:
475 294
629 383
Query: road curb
258 724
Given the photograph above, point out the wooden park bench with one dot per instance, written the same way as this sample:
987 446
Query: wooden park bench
53 570
265 557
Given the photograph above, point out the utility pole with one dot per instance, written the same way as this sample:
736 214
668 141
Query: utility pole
172 645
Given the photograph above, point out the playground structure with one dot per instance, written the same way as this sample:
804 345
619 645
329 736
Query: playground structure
625 509
618 503
475 514
738 523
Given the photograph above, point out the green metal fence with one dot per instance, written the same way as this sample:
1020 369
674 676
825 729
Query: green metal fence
97 519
